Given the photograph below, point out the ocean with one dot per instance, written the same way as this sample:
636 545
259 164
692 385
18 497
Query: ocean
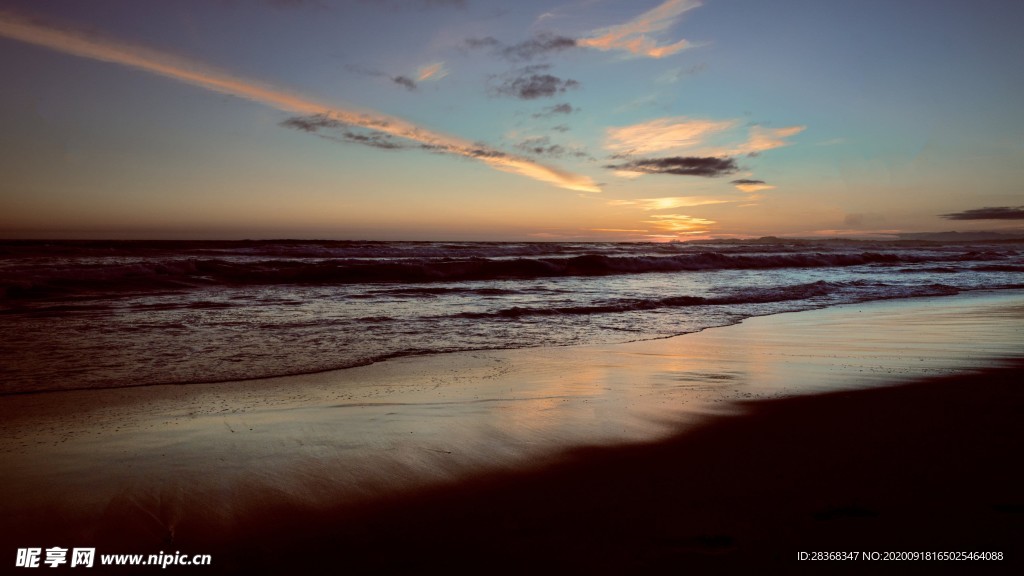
109 314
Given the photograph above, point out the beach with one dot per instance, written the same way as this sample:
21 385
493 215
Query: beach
489 287
885 426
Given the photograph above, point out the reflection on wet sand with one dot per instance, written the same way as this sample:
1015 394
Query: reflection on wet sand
161 454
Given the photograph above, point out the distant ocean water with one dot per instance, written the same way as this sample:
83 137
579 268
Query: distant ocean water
114 314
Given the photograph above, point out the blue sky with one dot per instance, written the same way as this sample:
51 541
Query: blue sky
435 119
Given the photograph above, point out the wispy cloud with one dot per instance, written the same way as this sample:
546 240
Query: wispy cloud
405 81
669 202
762 139
532 82
680 223
676 74
664 134
633 36
989 213
556 110
679 166
698 136
542 146
434 71
539 46
344 133
748 185
75 43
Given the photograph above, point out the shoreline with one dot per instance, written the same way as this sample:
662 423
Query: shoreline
976 293
145 468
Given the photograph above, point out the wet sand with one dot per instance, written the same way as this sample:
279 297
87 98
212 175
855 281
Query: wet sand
703 450
931 466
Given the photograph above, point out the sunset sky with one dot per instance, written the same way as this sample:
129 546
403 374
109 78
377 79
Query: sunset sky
488 120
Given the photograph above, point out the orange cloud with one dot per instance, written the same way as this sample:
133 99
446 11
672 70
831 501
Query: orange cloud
762 139
434 71
77 44
664 134
759 139
668 203
680 223
633 36
747 185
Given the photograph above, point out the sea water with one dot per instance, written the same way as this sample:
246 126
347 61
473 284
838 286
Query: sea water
101 314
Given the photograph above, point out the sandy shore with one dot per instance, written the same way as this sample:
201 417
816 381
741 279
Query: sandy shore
703 449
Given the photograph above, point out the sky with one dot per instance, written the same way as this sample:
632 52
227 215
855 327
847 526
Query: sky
584 120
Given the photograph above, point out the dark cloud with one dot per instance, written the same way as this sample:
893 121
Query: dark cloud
344 132
561 128
746 181
680 166
529 83
542 146
988 213
409 83
539 46
557 109
484 151
404 81
311 124
477 43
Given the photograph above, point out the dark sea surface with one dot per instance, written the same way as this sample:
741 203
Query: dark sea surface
113 314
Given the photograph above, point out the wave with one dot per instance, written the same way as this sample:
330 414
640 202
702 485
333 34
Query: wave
860 291
186 273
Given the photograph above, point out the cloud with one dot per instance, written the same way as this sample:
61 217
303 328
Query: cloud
680 223
988 213
404 81
668 203
485 42
664 134
75 43
529 84
747 185
633 36
539 46
557 109
680 166
676 74
695 135
762 139
434 71
542 146
374 139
